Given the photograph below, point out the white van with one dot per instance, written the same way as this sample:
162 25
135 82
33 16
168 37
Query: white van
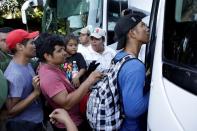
172 58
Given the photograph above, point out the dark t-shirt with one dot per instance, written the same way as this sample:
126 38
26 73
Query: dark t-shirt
81 64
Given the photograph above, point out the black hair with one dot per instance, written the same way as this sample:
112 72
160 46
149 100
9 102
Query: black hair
122 42
13 51
69 37
49 44
40 41
103 37
6 29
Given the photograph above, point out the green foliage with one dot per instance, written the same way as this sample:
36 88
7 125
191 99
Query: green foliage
11 9
35 13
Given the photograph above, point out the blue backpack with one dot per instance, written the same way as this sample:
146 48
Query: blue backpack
104 108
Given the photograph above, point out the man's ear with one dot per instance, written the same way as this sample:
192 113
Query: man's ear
47 56
19 46
132 33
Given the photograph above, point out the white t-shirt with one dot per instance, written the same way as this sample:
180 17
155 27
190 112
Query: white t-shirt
104 59
84 50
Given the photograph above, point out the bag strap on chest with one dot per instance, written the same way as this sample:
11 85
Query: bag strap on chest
121 62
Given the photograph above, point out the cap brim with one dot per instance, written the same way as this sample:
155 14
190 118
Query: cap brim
95 35
82 32
32 35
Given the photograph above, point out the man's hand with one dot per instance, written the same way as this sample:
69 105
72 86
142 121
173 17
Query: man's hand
62 116
36 85
94 77
76 82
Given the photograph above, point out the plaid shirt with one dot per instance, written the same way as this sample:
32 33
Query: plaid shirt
104 110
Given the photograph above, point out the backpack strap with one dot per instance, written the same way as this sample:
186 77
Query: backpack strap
123 60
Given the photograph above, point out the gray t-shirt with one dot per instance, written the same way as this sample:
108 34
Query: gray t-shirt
20 85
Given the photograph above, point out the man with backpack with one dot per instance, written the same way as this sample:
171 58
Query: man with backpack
131 33
119 98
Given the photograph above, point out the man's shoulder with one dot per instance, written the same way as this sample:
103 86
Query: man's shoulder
132 62
11 66
46 70
110 50
133 66
4 56
82 48
13 75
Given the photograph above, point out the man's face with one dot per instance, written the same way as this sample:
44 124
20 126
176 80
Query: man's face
58 57
97 44
142 32
84 39
3 44
29 49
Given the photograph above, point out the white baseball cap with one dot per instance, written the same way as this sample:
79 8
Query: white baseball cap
98 33
85 30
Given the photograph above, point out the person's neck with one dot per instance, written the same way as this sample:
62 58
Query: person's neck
86 44
69 55
133 47
21 59
101 51
52 64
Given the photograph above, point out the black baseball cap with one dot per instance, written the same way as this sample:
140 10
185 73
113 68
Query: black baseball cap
124 24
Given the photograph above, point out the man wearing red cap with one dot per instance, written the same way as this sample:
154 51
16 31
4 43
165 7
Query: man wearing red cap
24 107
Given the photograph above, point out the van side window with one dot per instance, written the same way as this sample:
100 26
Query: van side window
180 49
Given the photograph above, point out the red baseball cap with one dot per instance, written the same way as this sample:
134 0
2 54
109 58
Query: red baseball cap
17 36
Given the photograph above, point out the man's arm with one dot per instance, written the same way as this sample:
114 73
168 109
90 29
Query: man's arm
132 84
81 73
68 100
75 80
15 105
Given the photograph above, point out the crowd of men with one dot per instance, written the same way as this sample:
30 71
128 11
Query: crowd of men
38 68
